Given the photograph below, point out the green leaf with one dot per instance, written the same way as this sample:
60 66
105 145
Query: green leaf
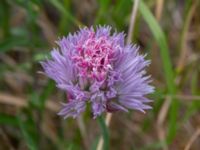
28 136
5 18
103 8
12 42
46 92
8 120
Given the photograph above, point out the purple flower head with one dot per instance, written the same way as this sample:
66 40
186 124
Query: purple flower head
96 67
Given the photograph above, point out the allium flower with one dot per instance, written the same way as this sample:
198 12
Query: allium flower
97 68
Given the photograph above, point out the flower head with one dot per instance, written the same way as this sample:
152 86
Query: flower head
96 67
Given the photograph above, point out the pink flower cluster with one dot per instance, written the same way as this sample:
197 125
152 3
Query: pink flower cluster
94 57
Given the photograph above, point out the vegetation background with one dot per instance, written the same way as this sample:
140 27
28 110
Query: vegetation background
167 30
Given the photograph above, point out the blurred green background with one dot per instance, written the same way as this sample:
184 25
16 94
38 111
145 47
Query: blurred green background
167 30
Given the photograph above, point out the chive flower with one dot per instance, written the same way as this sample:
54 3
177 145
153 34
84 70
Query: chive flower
96 68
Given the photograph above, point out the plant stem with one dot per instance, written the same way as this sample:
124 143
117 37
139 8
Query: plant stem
129 38
108 119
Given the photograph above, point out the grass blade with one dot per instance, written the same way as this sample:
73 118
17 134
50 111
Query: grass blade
28 137
12 42
161 40
66 13
167 66
8 120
